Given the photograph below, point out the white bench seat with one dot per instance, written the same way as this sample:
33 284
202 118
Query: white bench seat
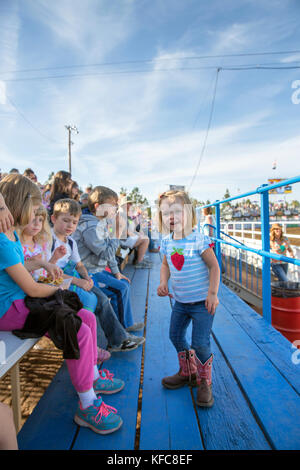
12 350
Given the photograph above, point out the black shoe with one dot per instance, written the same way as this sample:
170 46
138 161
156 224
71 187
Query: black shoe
127 345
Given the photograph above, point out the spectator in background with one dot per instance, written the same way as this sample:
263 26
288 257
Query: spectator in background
14 170
279 244
30 174
75 191
84 198
209 220
61 188
89 189
46 195
134 239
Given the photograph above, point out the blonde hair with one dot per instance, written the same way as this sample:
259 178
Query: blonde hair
272 232
20 195
174 196
99 195
62 206
44 236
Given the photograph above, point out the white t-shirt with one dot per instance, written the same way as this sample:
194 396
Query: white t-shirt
72 251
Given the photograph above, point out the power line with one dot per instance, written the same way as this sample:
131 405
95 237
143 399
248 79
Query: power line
30 123
207 130
143 61
270 66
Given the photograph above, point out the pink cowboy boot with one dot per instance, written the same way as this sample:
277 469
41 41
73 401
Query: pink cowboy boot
187 374
204 390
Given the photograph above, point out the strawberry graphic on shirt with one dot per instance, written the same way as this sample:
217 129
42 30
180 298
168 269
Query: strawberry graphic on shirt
177 258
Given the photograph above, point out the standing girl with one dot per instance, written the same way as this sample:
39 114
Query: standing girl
194 271
23 198
280 244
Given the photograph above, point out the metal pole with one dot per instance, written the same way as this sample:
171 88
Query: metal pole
266 265
218 235
70 165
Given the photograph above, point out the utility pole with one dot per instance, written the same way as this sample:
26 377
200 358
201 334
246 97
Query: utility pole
70 129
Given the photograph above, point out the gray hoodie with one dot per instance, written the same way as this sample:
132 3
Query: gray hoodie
96 248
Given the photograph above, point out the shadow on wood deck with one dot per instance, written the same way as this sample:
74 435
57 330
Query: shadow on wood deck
256 384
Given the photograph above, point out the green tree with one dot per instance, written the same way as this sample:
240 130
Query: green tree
123 191
136 196
226 196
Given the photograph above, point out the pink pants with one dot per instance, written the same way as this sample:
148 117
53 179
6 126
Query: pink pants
81 370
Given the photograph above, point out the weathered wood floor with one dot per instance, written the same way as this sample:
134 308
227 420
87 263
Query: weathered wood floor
256 383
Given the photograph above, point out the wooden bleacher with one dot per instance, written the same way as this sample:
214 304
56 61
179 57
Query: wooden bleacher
256 386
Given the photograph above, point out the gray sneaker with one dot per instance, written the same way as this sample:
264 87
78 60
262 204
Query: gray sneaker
143 265
137 339
135 327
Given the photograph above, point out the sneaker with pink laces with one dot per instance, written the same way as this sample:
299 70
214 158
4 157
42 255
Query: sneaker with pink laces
99 417
107 384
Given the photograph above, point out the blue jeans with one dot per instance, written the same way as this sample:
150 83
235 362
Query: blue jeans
182 315
109 322
280 270
109 329
119 293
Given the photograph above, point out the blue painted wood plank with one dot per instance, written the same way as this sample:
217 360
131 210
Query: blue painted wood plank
126 366
229 424
168 417
138 293
51 424
275 403
271 342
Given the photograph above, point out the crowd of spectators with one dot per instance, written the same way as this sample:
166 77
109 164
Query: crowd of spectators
244 211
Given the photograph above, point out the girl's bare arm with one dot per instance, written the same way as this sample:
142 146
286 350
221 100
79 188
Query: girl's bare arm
24 280
163 289
210 260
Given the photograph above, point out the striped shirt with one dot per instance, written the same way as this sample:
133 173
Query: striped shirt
189 273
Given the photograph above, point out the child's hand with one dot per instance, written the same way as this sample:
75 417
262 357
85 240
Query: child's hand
59 252
163 290
211 303
83 283
90 280
54 271
120 276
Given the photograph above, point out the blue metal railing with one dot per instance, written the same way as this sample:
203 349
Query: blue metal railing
265 237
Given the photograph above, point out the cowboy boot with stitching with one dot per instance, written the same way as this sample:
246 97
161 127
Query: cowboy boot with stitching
204 390
187 374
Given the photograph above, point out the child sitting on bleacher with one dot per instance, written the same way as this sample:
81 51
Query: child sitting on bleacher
36 241
23 198
97 246
66 213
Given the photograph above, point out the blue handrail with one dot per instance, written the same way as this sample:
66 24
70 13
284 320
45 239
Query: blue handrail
263 190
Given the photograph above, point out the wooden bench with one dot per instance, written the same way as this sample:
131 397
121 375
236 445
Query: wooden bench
256 383
12 350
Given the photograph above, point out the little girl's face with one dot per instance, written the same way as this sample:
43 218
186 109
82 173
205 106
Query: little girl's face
174 215
35 226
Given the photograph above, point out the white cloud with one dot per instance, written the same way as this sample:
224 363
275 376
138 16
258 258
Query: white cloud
2 92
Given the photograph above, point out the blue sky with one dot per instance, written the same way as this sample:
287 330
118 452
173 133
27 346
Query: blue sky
142 115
